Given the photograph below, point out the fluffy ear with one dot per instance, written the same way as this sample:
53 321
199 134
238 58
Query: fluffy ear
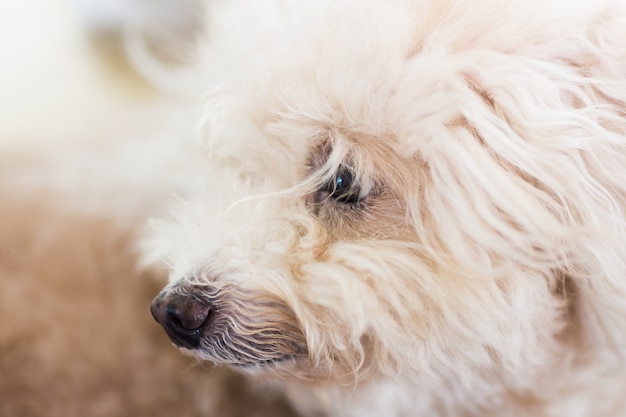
532 155
554 129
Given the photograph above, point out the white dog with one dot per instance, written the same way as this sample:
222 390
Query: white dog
409 207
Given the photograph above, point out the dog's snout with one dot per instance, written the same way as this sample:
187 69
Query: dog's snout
182 316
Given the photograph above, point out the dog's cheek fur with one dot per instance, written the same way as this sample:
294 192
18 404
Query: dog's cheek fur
379 308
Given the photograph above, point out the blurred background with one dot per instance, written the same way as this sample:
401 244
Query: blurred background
64 73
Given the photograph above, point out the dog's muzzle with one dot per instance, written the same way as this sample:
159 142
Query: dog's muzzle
184 317
229 325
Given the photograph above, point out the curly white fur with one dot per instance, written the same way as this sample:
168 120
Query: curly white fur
482 271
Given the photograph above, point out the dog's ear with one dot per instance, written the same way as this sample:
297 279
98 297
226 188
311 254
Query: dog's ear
525 160
560 129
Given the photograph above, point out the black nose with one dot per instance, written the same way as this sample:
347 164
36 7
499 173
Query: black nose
182 316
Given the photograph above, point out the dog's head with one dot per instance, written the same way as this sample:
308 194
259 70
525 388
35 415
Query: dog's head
404 188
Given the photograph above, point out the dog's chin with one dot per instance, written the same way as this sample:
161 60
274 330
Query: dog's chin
277 363
269 361
267 366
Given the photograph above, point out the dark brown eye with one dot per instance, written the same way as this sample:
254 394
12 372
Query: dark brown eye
343 187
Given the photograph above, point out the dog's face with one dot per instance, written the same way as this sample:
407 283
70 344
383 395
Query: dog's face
374 201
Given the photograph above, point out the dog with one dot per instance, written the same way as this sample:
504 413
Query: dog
408 207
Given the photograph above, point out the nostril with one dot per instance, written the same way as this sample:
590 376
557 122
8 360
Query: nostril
187 314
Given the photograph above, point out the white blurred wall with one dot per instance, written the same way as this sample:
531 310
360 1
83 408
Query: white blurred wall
57 84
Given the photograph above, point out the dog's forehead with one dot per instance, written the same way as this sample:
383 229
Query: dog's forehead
288 147
287 85
282 74
279 85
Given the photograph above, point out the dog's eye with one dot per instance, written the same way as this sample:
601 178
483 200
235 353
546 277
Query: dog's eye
343 187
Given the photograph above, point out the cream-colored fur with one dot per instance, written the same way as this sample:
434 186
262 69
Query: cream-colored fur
398 208
477 268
